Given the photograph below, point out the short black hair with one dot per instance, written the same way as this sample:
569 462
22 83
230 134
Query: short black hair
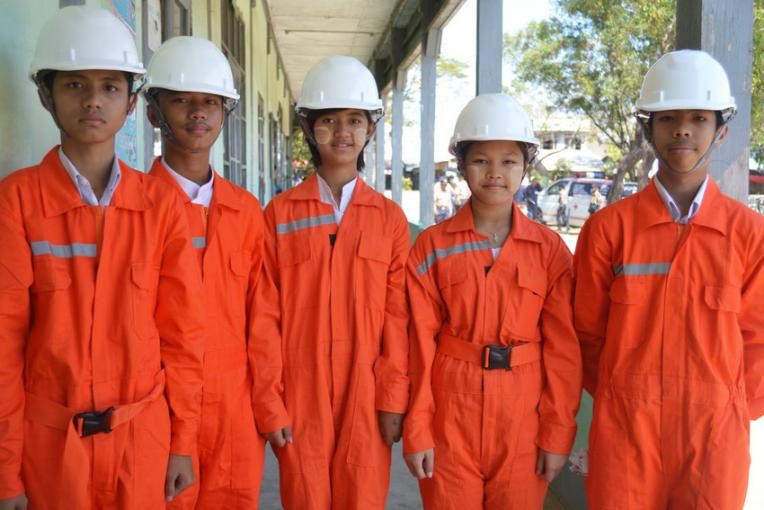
647 126
315 156
47 76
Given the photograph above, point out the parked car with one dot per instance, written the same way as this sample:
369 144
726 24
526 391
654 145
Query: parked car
579 197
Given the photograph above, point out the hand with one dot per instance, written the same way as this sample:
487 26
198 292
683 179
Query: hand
549 464
421 464
17 503
390 426
279 438
180 475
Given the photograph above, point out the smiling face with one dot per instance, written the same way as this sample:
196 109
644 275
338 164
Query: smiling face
91 105
494 170
195 118
682 137
341 135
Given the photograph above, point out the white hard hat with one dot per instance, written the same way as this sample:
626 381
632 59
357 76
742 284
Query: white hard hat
190 64
340 82
493 117
80 38
686 80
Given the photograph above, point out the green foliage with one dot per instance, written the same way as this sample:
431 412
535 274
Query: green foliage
757 89
301 157
561 169
591 57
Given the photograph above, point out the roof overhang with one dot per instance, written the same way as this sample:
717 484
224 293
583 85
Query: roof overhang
384 34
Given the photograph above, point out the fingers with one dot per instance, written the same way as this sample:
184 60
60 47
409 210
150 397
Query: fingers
280 438
398 432
414 463
276 439
183 482
385 430
169 486
540 464
429 463
421 464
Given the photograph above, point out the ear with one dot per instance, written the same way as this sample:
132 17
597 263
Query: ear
46 100
131 102
151 114
722 134
306 131
371 130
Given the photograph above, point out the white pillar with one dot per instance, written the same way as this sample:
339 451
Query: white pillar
380 157
427 125
489 46
397 138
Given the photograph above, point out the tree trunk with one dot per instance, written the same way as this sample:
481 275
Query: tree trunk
627 163
648 158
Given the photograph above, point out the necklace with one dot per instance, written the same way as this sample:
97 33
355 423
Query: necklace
495 237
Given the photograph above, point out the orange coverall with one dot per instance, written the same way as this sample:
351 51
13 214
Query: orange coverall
99 307
486 425
229 244
344 320
671 323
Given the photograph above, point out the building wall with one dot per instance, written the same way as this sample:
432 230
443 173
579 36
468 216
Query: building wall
27 131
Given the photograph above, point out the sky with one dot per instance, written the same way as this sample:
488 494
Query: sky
458 42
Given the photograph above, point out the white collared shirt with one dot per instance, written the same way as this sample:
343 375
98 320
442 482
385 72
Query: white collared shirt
83 185
327 196
673 209
199 194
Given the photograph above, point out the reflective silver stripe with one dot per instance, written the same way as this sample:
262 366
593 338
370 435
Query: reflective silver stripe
433 257
63 251
285 228
643 269
199 242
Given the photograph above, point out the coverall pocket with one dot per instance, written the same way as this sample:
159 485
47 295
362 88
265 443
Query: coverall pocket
371 270
241 264
457 299
525 304
50 275
143 293
625 312
293 251
726 299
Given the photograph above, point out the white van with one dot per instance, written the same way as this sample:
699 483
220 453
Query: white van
579 198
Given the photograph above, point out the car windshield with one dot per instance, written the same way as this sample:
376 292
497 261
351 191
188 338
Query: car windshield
585 188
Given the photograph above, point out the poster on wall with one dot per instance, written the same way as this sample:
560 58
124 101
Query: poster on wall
126 145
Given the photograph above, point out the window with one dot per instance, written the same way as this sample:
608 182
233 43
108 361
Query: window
235 128
548 143
176 18
581 188
261 148
577 143
554 189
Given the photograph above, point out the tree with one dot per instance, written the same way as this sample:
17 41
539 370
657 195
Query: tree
591 57
757 85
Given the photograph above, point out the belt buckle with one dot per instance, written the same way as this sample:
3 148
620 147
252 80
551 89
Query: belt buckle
497 357
93 422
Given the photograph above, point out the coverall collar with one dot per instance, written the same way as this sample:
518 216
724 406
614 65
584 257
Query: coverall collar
653 209
160 171
59 194
363 194
223 193
522 227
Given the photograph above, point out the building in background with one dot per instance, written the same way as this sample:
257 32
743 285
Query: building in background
254 149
